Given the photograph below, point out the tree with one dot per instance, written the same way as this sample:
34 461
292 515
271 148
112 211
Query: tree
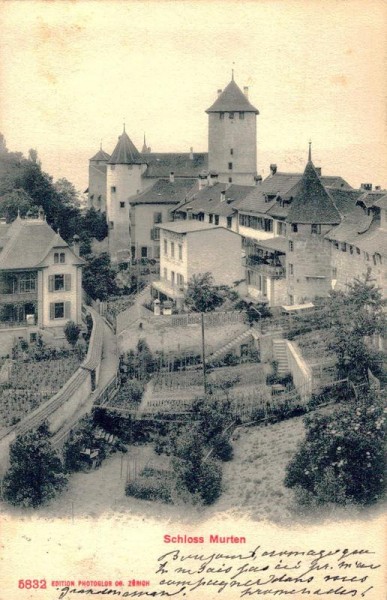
99 277
67 192
36 473
342 457
94 224
202 295
72 331
14 202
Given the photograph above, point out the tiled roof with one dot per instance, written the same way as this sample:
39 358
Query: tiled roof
188 225
368 238
381 202
180 163
232 99
101 155
344 199
27 242
312 203
278 243
208 200
126 153
369 198
165 192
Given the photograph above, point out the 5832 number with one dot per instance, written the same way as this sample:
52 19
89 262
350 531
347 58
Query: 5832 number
32 584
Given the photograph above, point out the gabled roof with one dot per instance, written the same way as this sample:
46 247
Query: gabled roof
381 202
165 192
209 201
312 203
101 156
25 244
126 153
365 234
182 164
232 99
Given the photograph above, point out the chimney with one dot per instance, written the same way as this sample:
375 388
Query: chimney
219 92
223 196
172 177
191 156
318 171
246 91
258 179
202 181
76 244
273 169
366 187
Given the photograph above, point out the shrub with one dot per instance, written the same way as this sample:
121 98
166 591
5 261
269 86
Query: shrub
72 331
150 488
342 457
222 448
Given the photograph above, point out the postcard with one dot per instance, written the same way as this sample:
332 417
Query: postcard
193 219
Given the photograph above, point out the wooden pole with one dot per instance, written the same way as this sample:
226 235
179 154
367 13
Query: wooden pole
204 358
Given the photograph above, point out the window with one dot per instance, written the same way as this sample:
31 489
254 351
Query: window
291 246
59 257
111 224
60 310
231 151
216 219
334 273
291 299
230 179
180 280
230 166
351 249
344 247
281 228
268 224
165 248
357 250
180 252
173 249
291 269
157 217
122 204
165 273
58 283
221 116
27 283
231 115
144 252
366 256
241 115
315 228
173 277
113 189
211 218
294 227
229 222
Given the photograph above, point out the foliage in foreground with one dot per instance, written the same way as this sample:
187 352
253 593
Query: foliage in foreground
342 457
36 473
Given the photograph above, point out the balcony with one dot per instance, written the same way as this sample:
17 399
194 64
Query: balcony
14 297
264 267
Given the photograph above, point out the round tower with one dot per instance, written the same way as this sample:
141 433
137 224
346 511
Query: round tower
124 180
232 136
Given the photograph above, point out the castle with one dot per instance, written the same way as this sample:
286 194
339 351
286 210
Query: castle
302 234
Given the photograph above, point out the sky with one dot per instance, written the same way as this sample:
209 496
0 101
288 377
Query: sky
71 72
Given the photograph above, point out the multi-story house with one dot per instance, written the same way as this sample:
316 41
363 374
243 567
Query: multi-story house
40 280
190 247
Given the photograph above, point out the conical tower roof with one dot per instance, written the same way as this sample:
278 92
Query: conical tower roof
232 99
125 153
101 156
312 203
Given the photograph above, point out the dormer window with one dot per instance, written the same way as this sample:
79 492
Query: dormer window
59 257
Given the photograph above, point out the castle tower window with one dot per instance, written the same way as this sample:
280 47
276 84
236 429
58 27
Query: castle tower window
113 189
291 269
294 227
122 204
230 179
230 166
231 151
316 228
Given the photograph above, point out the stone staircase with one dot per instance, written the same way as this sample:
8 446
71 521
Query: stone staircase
245 335
281 356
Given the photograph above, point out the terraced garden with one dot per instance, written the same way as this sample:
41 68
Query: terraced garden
32 382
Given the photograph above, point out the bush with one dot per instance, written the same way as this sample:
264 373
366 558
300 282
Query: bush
150 487
222 448
342 457
72 331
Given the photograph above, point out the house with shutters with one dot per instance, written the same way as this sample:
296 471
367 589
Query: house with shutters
40 280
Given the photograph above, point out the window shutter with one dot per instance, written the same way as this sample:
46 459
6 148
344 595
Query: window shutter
67 310
52 310
51 283
67 282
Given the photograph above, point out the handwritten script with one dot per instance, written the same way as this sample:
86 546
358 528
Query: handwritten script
259 571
